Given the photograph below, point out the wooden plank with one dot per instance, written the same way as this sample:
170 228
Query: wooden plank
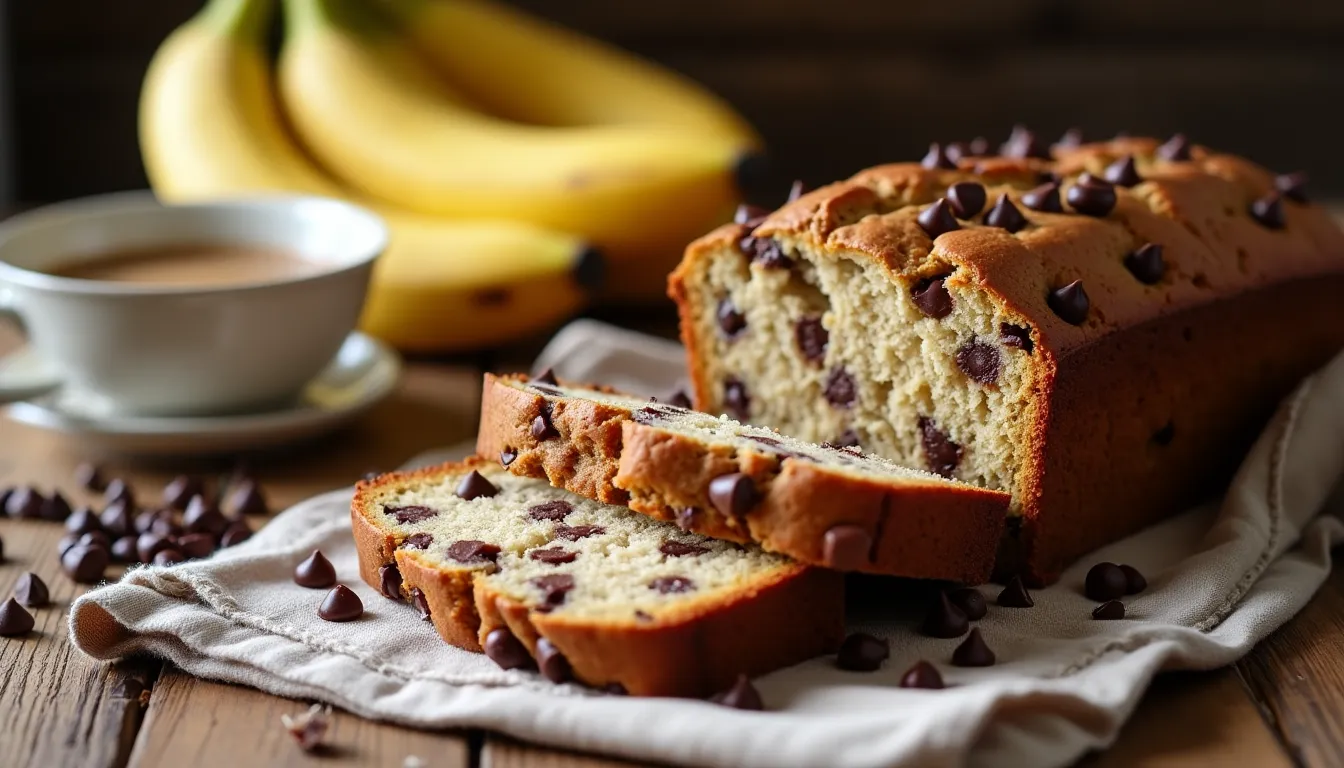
205 724
1297 676
503 752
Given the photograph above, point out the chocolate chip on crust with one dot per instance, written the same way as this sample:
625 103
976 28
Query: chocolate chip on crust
846 547
941 453
937 219
937 158
1005 215
1268 210
546 377
1092 197
967 198
979 361
1123 172
1072 138
1070 303
1146 264
931 297
1176 149
1293 186
1044 198
734 494
797 190
1023 143
750 215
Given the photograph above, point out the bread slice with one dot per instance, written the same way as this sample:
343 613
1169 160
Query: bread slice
820 504
587 591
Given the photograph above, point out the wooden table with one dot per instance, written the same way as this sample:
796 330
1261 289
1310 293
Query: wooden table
1281 706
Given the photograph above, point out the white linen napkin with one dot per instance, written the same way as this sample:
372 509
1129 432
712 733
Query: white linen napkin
1221 577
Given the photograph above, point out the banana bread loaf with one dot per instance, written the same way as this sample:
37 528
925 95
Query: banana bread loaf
585 591
1100 330
826 505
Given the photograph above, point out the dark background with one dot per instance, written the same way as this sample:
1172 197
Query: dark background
833 84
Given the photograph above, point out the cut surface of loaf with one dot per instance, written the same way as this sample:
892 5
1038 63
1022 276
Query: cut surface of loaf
1103 350
825 505
586 591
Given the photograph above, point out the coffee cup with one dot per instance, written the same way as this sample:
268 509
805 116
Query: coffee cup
240 344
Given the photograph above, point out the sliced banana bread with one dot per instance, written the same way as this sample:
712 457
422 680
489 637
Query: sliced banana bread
828 505
586 591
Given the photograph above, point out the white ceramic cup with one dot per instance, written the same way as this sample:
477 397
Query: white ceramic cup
161 350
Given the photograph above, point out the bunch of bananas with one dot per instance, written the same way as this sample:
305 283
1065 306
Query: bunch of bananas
505 154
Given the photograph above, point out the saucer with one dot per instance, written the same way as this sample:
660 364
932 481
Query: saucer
363 373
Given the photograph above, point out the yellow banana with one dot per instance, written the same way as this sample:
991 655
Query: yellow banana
378 117
523 68
210 128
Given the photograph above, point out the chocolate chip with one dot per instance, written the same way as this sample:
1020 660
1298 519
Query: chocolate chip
1292 186
547 389
937 158
1015 595
237 532
546 377
763 440
978 147
862 653
507 456
812 338
931 297
576 532
472 552
54 508
1105 581
119 489
642 616
973 652
90 477
750 215
123 550
1022 143
420 603
553 664
1092 197
164 526
1005 215
1072 138
733 495
736 399
177 493
389 581
31 591
14 620
1123 172
1146 264
967 198
937 219
418 541
144 522
94 539
116 519
150 544
616 689
1044 198
845 547
1070 303
922 675
315 572
672 584
679 399
979 361
970 602
1268 210
944 619
246 498
1111 610
553 556
764 251
847 439
554 587
674 548
1134 581
203 517
731 322
169 556
506 650
742 695
195 546
86 564
24 503
1015 336
475 486
1175 150
840 389
341 604
83 520
542 428
555 510
797 190
942 454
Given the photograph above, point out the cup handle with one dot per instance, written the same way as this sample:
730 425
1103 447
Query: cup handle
15 391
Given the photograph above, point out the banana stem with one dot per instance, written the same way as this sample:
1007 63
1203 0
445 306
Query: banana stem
357 16
247 19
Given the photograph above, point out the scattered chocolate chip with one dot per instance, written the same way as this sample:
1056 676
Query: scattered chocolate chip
931 297
1015 595
195 546
24 503
944 619
94 539
181 490
845 547
85 564
203 517
150 544
389 581
411 514
811 337
1292 186
542 428
731 321
553 556
686 517
922 675
420 603
237 532
83 520
1268 210
309 728
937 158
973 652
507 456
576 532
1092 197
475 486
116 519
970 602
797 190
472 552
546 377
840 389
418 541
1070 303
847 439
555 509
1111 610
862 653
123 550
736 399
119 489
169 556
54 508
144 522
674 548
165 526
967 198
246 499
315 572
89 476
937 219
341 604
679 399
1044 198
733 495
1134 581
1015 336
1105 581
14 620
553 664
1146 264
1176 149
979 361
672 584
743 695
750 215
1022 143
31 591
1072 138
554 587
1005 215
1123 172
505 650
941 453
